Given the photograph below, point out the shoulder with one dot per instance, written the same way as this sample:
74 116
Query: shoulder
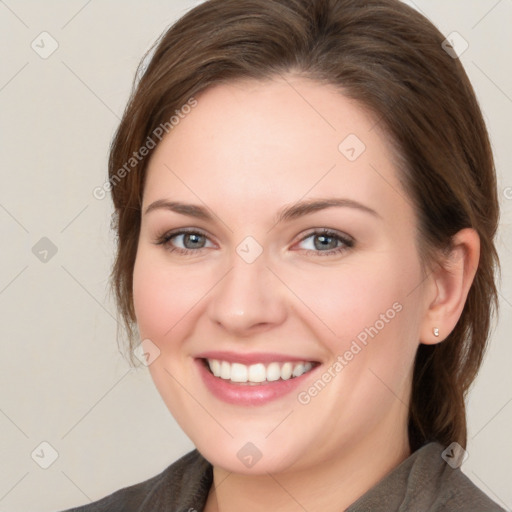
425 482
445 487
183 485
458 492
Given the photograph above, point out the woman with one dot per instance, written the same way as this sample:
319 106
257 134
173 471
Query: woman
305 205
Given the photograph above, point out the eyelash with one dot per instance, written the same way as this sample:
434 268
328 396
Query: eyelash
348 242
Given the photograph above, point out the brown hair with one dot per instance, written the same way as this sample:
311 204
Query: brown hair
390 59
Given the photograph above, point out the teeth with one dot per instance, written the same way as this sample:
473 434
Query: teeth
286 371
225 370
273 372
215 367
298 370
238 372
257 373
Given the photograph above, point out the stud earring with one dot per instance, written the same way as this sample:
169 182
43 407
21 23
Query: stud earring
436 332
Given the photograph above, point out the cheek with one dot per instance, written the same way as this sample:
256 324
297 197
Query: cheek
350 298
372 318
164 298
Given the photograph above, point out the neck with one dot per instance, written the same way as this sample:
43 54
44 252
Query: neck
331 486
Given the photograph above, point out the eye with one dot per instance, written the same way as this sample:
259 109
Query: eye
321 242
185 241
326 242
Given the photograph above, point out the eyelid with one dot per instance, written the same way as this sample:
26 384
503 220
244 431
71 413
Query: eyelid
167 236
328 232
347 241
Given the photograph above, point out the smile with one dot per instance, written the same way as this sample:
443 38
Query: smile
258 373
253 379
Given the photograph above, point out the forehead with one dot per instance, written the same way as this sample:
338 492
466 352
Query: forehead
265 144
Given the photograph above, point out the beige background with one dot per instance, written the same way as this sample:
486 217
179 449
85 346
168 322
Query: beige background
62 379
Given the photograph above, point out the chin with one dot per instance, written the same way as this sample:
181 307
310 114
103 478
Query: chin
258 457
248 460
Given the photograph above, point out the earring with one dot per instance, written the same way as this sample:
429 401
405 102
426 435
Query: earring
436 332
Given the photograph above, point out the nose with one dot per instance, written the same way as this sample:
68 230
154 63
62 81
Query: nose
249 299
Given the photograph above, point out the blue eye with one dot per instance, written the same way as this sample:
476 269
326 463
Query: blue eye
326 242
185 241
321 242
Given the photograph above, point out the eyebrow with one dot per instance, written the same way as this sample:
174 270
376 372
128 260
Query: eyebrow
294 211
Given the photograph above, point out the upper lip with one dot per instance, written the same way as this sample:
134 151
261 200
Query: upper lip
251 358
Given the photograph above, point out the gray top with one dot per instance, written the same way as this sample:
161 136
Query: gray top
422 482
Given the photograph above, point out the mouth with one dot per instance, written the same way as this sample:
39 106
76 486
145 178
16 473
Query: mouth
259 373
253 379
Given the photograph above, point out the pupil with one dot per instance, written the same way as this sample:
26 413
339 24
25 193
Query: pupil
192 241
325 242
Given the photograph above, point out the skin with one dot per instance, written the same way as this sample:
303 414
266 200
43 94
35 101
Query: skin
248 150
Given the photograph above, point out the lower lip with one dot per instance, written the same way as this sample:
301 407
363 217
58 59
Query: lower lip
248 394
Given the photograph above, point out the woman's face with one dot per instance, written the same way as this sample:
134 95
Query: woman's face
298 258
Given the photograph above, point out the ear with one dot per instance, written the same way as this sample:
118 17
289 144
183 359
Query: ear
449 285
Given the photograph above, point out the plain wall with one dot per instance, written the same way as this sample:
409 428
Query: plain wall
62 379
